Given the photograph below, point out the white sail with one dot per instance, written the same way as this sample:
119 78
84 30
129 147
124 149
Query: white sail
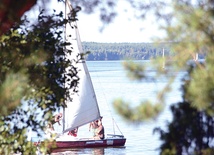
83 108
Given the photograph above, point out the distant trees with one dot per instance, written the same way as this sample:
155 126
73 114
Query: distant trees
121 51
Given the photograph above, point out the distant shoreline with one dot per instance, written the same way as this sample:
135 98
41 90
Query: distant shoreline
124 51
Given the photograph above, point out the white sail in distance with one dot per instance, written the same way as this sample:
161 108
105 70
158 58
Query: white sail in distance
83 108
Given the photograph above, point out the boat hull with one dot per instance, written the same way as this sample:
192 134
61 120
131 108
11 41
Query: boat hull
90 143
59 146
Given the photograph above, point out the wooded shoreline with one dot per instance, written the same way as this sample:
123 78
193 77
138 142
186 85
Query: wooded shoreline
120 51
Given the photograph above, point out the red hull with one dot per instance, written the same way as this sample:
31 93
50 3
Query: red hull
90 143
86 143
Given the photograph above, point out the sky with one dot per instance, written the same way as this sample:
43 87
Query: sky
124 28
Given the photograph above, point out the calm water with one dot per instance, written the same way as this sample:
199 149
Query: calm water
110 82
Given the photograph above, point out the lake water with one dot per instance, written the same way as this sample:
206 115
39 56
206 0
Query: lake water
110 82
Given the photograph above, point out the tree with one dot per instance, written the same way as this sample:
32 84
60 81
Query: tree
11 11
191 131
32 77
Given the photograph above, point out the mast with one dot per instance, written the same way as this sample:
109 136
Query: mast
63 120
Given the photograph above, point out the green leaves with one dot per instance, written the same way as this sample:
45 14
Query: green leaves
134 71
200 92
144 111
32 76
12 91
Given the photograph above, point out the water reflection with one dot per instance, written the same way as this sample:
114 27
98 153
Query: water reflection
92 151
97 151
80 151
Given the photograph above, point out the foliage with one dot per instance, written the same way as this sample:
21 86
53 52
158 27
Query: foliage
145 112
191 131
32 74
193 29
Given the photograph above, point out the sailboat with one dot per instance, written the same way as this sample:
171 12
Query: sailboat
163 56
83 109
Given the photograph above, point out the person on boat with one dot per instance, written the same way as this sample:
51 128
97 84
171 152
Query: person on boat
73 132
94 125
99 131
56 119
50 132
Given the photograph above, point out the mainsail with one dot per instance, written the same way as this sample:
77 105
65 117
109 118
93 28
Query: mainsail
83 108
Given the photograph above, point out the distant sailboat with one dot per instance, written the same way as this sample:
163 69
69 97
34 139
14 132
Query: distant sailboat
84 107
196 57
163 56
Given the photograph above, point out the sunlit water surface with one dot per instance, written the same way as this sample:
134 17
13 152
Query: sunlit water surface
110 82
